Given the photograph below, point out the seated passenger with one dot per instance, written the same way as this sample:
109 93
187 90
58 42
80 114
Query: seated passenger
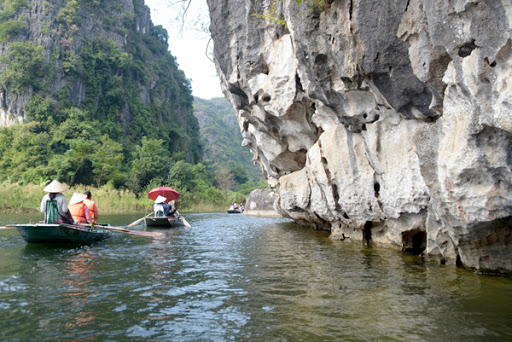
78 209
93 208
160 208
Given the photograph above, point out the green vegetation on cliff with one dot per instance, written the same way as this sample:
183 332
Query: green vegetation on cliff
105 104
221 138
91 100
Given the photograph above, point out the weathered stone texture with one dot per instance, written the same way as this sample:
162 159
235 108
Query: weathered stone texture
386 121
260 202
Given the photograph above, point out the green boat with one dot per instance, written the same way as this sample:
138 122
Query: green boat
61 233
162 221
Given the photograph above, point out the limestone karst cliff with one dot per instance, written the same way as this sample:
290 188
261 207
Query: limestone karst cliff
387 121
103 57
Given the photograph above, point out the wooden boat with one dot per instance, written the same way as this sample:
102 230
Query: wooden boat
61 233
161 221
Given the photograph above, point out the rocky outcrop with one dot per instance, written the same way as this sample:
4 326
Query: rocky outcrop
260 202
385 121
62 29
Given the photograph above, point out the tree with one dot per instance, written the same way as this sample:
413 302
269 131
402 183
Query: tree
25 66
80 150
239 174
182 176
107 160
150 160
225 180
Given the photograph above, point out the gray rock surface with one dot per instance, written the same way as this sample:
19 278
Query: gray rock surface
384 121
260 202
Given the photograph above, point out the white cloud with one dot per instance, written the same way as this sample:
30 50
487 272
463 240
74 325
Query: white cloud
189 44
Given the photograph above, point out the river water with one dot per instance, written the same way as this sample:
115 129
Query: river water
238 278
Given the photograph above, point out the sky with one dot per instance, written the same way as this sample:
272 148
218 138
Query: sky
189 44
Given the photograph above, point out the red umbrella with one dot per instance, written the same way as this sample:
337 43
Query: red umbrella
164 191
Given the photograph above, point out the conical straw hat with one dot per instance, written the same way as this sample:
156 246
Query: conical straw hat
77 198
55 187
160 199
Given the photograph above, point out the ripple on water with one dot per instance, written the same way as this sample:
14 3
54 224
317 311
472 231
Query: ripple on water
241 278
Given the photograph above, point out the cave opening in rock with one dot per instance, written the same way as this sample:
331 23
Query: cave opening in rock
367 232
376 188
466 49
414 241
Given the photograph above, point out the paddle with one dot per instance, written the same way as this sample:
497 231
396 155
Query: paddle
134 223
128 231
116 229
133 232
183 219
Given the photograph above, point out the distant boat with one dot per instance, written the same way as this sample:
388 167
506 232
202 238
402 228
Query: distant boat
61 233
233 211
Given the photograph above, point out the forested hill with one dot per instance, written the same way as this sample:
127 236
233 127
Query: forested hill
222 139
88 91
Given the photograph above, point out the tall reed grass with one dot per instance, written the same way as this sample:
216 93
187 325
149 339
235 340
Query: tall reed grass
15 198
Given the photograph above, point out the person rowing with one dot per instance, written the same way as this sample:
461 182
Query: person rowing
54 205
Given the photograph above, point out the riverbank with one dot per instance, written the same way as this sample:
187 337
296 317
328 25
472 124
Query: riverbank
15 198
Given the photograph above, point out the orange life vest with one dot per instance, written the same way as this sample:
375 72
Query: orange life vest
78 212
90 204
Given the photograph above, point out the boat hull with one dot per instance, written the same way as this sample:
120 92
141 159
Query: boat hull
160 221
233 211
61 233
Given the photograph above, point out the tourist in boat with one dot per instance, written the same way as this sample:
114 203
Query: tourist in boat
241 208
93 208
160 208
78 209
172 209
54 205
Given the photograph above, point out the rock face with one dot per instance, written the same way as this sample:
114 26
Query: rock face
62 26
383 121
261 203
63 29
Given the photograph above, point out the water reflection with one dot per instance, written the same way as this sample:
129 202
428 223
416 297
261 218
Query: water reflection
78 292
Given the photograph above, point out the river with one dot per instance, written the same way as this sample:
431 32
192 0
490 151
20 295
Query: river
238 278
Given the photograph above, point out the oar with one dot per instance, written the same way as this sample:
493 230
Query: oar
133 232
183 219
116 229
128 231
134 223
